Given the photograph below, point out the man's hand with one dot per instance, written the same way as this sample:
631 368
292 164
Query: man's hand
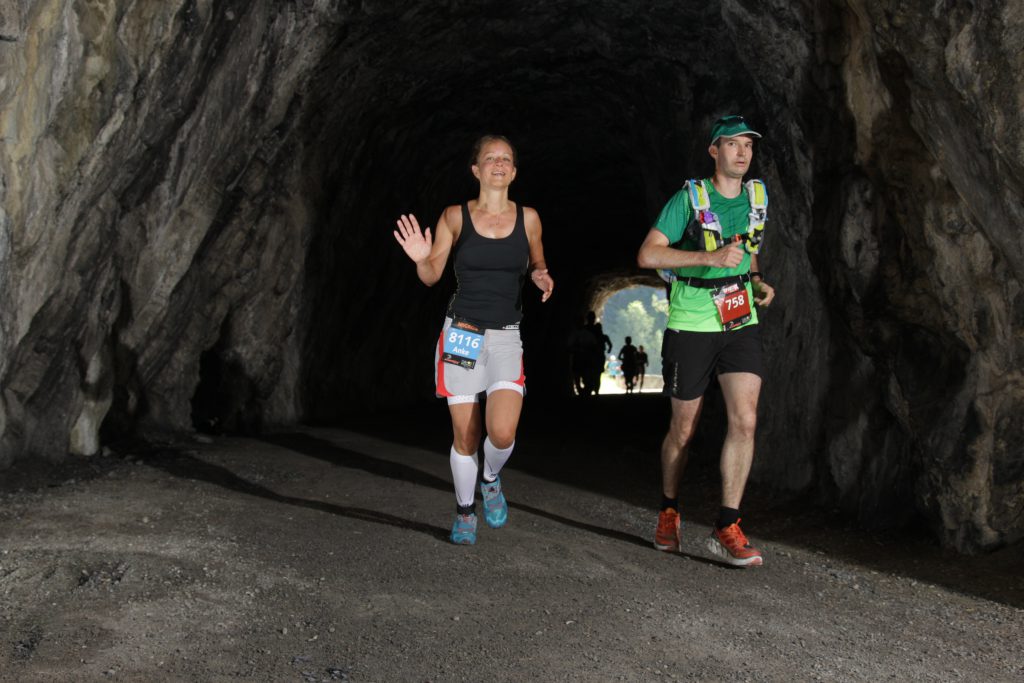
729 256
763 293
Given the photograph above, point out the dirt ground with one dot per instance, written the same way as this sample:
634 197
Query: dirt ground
320 554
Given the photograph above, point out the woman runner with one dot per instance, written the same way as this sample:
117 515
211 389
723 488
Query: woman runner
496 242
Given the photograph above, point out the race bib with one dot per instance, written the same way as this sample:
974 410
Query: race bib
733 306
463 343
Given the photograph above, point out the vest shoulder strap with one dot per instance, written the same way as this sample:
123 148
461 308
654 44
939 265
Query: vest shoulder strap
699 198
757 194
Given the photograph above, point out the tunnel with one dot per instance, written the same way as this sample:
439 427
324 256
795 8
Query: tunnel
198 200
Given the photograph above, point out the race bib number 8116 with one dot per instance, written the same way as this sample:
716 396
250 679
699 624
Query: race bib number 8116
463 343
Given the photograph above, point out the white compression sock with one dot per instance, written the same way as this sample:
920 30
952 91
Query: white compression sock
464 472
495 458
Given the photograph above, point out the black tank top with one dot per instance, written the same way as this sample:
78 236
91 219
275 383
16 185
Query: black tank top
490 274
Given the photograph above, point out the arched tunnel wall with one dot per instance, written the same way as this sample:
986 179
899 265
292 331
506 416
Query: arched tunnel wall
197 196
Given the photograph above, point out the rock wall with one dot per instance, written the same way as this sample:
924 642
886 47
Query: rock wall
151 207
196 199
921 260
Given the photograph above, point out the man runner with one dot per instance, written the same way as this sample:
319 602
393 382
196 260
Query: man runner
711 253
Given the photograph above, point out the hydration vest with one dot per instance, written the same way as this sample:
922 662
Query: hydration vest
710 230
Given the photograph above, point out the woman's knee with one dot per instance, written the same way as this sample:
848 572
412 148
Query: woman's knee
466 440
502 437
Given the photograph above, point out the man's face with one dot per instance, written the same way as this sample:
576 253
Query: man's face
733 155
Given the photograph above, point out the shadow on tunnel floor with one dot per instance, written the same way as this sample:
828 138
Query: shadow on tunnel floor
609 445
334 454
186 466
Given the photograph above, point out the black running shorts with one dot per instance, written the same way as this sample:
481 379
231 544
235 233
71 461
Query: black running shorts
689 358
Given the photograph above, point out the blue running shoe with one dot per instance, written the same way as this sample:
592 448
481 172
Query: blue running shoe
495 507
464 530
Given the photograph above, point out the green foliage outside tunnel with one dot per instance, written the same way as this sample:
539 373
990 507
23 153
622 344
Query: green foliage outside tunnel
640 313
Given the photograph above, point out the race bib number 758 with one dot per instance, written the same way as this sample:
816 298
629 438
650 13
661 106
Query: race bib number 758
733 306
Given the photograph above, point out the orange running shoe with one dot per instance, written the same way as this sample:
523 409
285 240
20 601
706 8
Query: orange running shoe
666 537
732 546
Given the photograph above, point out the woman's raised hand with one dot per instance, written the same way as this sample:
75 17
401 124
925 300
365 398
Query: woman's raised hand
416 244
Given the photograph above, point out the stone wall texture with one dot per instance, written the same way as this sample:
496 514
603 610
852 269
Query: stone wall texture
196 199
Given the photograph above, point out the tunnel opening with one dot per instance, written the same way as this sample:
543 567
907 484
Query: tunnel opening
636 314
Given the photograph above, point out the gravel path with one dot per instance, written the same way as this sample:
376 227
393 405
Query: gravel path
320 555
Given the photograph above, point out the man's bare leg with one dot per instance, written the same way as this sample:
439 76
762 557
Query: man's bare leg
727 540
674 451
741 391
674 448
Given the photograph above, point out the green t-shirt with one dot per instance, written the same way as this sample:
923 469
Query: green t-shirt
691 308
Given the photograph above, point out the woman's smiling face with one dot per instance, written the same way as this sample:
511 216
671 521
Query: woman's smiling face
495 165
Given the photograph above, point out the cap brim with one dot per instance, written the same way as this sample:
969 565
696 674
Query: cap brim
737 135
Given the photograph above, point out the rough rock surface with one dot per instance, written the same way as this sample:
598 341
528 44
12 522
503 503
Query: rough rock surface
196 199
